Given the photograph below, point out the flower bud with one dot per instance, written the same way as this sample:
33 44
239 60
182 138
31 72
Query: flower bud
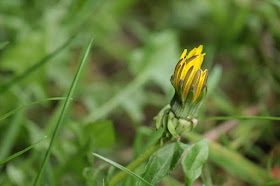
189 82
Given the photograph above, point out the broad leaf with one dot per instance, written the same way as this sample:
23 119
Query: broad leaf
194 160
162 162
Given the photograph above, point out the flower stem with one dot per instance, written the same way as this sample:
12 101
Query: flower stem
134 164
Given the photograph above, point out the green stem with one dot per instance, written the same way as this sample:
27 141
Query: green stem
134 164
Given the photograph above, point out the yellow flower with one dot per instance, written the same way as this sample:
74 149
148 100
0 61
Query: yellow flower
189 82
188 74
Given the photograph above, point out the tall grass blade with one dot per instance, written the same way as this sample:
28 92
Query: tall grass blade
27 105
241 118
121 168
20 152
64 109
9 138
34 67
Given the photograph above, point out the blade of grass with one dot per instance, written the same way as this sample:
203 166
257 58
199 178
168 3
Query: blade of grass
64 109
27 105
11 134
20 152
241 118
7 140
34 67
121 168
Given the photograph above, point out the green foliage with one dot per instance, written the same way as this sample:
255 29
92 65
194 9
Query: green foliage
3 44
243 118
28 105
122 168
64 109
101 134
233 162
151 65
126 83
20 152
163 162
194 160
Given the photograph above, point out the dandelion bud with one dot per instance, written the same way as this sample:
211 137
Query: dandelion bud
189 82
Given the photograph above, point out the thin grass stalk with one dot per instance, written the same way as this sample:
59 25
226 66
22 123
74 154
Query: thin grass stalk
20 152
61 117
27 105
241 118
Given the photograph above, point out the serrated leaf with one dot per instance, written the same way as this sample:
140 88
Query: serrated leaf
194 160
162 162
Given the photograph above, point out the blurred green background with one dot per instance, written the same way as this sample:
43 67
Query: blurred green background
127 81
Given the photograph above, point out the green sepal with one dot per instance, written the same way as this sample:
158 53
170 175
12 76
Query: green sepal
172 125
180 91
183 125
181 110
188 103
190 97
160 117
165 120
172 81
197 104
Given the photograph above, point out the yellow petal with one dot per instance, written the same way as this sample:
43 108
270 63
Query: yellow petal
188 82
192 53
183 54
177 69
191 80
179 72
179 64
199 50
188 63
200 85
198 61
206 77
187 78
186 69
196 78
